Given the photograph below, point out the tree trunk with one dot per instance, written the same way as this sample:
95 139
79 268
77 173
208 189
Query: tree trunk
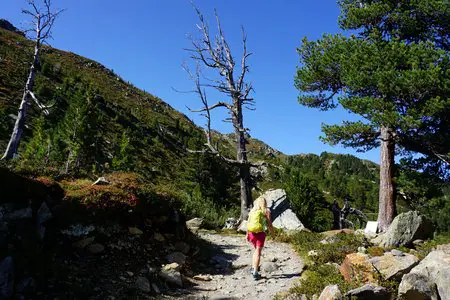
386 208
13 144
244 169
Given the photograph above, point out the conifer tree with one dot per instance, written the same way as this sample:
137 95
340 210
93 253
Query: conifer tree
394 72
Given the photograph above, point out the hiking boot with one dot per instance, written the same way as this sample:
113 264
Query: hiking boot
256 276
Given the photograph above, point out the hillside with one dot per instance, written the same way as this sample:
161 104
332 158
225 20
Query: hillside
122 128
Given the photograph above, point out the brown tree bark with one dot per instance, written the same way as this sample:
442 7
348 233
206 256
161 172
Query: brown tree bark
386 207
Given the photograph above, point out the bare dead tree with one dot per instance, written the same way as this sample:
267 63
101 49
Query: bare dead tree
43 19
340 215
215 54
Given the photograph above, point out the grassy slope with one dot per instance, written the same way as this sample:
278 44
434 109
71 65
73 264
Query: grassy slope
157 132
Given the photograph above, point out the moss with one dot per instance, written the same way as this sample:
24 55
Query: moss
375 251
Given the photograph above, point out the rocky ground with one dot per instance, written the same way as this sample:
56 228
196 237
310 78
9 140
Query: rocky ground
225 273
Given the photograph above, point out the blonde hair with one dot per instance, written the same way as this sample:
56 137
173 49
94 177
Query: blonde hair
261 203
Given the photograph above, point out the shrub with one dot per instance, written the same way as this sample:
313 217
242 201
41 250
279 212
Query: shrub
214 215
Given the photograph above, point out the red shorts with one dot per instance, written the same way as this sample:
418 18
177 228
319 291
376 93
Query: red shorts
257 239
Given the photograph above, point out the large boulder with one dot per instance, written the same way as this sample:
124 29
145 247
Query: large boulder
405 228
430 279
282 215
357 268
367 292
394 264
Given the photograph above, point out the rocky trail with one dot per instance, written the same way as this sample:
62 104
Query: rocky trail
227 273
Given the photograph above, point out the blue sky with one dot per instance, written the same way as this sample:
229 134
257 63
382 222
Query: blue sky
143 42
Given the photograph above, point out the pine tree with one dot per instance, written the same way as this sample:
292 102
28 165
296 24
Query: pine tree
394 72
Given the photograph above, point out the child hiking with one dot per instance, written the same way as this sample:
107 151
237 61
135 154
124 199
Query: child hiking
258 222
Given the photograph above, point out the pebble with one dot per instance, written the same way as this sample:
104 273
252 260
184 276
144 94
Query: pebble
130 273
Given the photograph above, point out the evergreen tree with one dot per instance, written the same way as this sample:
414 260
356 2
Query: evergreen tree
395 73
308 202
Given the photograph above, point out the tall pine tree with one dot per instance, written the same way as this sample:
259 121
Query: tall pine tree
394 72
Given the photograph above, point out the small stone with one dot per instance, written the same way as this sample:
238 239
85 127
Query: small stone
156 288
396 252
172 266
159 237
171 276
143 284
177 257
95 248
81 244
135 231
130 273
203 277
182 247
194 224
269 267
101 181
362 250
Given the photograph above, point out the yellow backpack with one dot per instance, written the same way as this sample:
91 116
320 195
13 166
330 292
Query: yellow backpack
256 221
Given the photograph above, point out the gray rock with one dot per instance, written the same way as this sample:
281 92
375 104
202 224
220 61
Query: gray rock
19 214
135 231
78 230
177 257
282 215
405 228
394 266
418 242
231 223
43 214
143 284
331 292
396 252
83 243
369 292
26 288
243 226
159 237
182 247
172 276
172 266
6 278
429 279
260 170
95 248
362 250
156 288
194 224
101 181
269 267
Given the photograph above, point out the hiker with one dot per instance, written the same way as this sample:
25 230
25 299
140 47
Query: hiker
258 222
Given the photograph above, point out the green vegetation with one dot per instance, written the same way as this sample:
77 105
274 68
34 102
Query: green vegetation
308 202
340 176
393 72
101 124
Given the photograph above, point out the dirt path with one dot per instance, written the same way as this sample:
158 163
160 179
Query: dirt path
230 275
